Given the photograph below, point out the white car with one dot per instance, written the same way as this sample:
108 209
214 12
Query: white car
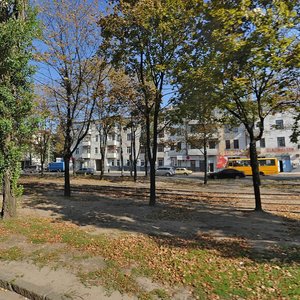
183 171
165 171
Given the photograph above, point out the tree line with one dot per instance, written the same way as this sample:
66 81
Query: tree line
138 58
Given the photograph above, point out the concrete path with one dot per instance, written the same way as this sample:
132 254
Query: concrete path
8 295
36 283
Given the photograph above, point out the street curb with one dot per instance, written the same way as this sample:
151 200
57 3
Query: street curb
27 289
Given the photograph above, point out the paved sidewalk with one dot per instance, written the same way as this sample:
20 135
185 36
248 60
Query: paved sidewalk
45 283
8 295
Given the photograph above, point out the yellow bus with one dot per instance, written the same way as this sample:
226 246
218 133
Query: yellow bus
267 165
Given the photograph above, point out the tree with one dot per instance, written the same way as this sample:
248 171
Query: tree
296 126
75 72
18 28
251 53
125 91
44 135
197 107
145 37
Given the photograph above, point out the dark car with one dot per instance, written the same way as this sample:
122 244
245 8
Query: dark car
227 173
85 171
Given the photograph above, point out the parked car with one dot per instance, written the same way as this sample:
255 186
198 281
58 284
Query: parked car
165 171
227 173
183 171
32 169
85 171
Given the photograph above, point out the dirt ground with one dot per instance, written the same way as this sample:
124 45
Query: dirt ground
185 208
221 213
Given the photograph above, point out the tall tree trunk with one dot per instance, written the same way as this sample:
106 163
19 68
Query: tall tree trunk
152 160
42 168
146 164
9 206
134 157
255 174
131 157
121 153
67 192
152 156
152 200
205 161
102 164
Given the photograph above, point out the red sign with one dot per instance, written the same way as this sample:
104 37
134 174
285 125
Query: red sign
221 162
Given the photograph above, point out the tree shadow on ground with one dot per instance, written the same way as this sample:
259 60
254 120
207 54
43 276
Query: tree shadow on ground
232 229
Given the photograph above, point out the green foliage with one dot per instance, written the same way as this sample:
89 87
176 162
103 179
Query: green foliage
17 30
252 44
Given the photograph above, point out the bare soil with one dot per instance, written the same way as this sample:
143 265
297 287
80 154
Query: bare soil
222 209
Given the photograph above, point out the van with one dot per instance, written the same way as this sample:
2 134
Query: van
56 166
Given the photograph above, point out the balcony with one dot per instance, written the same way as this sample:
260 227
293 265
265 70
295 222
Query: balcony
113 143
111 155
160 154
86 155
86 143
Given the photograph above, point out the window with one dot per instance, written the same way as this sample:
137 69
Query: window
212 144
179 131
113 163
266 162
236 144
128 163
129 150
193 128
160 162
262 143
230 129
77 151
97 137
279 124
88 150
227 144
118 163
161 134
128 136
160 148
179 146
142 163
96 150
142 149
281 141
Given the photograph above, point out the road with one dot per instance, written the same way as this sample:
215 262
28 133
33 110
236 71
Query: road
286 176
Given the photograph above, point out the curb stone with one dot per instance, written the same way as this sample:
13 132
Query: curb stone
27 289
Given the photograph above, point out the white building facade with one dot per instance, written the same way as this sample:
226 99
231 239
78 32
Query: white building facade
119 143
173 150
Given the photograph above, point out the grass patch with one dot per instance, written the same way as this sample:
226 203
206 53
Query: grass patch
11 254
210 269
43 258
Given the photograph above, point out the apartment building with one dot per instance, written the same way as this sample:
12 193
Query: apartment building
174 150
119 143
274 143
